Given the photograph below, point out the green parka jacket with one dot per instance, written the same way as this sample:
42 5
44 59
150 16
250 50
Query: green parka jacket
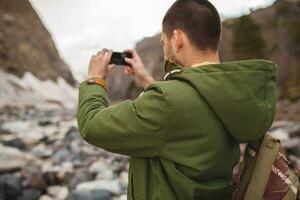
183 133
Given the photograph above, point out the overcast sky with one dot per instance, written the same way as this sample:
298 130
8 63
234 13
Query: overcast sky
83 27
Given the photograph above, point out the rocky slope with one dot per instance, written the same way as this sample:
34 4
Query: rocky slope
30 66
42 157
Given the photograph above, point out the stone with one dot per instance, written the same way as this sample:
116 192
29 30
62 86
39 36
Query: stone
79 195
79 176
62 155
72 134
46 197
123 179
123 197
58 192
17 126
90 195
101 195
15 142
280 134
33 178
98 167
12 159
10 187
106 175
42 151
30 194
110 185
31 137
291 143
45 122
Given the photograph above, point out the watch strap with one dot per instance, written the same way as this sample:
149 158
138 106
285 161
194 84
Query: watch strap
99 81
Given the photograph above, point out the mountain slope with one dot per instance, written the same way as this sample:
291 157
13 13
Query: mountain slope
31 70
26 45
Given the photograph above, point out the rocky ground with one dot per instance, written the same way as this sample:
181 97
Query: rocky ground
42 157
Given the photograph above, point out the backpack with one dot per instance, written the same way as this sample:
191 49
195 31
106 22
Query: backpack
265 173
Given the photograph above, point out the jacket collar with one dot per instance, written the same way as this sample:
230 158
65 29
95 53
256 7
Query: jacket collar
171 68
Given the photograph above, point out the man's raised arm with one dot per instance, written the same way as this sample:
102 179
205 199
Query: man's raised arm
134 128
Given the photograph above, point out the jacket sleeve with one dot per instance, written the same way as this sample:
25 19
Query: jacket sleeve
131 127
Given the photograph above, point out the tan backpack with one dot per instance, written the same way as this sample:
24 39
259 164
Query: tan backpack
266 173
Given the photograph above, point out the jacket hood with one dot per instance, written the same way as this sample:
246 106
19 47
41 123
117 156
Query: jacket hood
242 94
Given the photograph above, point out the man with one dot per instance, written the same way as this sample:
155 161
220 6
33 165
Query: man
183 133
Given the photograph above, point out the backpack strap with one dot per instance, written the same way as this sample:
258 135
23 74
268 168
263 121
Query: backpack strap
266 157
246 168
259 157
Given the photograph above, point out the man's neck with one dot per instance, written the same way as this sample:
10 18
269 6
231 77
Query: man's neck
195 60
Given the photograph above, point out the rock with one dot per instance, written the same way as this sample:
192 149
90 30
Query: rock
16 142
106 175
123 197
58 192
33 178
78 195
32 72
10 187
79 176
56 174
288 133
280 134
52 178
31 137
62 155
30 194
90 195
8 17
67 167
98 167
295 159
26 50
72 134
17 126
42 151
101 195
46 197
291 143
45 122
12 159
112 186
123 178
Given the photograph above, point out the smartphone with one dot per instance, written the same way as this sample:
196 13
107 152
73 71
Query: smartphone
118 58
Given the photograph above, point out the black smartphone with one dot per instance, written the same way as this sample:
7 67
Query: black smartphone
118 58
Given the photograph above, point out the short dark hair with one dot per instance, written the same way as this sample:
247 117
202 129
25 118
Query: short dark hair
199 19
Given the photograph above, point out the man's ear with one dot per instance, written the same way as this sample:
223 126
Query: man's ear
178 40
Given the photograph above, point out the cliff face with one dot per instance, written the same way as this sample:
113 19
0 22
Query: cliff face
31 71
26 45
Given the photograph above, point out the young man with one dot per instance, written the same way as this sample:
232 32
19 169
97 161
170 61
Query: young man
183 133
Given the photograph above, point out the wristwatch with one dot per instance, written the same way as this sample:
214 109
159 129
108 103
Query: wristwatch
98 81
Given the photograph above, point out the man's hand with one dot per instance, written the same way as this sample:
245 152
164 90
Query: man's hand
137 69
99 64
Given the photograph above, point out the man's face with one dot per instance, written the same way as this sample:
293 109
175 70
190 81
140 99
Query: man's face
169 53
